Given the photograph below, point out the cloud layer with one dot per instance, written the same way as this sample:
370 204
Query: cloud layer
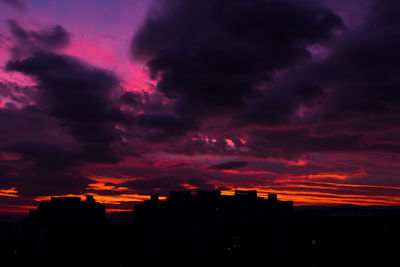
286 96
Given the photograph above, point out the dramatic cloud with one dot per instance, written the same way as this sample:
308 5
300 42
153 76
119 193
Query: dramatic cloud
232 165
28 42
278 104
164 125
364 69
69 95
296 97
50 172
218 54
80 96
14 95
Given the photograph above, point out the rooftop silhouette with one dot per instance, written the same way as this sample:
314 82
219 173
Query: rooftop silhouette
202 228
70 209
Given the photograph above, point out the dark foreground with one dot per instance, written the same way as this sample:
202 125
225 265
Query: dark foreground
203 229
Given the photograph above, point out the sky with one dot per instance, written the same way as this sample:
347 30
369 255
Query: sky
124 99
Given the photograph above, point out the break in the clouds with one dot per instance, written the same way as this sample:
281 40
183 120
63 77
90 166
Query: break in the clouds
299 98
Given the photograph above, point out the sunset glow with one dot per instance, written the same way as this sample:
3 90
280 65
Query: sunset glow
108 99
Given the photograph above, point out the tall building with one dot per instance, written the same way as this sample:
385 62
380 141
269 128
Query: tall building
69 210
65 231
208 227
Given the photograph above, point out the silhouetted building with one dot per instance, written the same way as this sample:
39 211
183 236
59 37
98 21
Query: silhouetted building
205 228
69 209
272 197
202 229
65 231
10 239
249 194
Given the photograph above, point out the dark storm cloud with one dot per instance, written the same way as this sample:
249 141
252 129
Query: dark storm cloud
163 126
362 73
223 56
16 94
130 99
28 42
145 102
292 143
80 96
57 37
44 169
232 165
197 146
30 123
217 54
38 181
43 153
154 119
44 158
239 82
277 104
63 122
280 144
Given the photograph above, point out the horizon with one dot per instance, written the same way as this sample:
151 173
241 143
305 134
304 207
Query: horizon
165 199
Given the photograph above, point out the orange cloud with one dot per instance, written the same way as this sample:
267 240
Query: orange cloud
12 192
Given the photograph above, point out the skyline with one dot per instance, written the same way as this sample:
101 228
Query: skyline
124 99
